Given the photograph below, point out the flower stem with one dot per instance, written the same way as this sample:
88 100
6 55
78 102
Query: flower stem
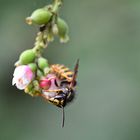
40 43
56 6
44 36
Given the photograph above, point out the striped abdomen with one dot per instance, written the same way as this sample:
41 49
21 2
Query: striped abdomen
62 72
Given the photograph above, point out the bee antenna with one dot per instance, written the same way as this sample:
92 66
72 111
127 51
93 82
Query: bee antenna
63 116
75 73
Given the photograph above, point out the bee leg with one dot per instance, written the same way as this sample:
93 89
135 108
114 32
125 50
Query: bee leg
54 90
60 97
56 83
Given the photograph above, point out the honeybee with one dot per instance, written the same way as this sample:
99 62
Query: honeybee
66 88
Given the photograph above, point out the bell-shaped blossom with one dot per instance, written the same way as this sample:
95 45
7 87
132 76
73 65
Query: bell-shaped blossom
23 75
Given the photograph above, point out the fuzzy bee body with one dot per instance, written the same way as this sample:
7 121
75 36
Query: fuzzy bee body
63 98
67 78
66 90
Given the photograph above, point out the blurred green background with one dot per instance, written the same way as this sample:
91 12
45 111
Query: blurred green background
105 35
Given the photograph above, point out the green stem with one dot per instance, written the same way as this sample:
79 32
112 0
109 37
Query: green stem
56 6
40 43
42 38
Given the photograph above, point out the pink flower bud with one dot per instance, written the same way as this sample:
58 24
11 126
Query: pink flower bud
45 83
53 86
48 82
23 75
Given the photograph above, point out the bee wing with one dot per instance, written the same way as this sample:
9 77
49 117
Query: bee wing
74 74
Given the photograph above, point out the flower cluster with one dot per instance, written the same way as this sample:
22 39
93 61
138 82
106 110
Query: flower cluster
34 77
32 73
48 15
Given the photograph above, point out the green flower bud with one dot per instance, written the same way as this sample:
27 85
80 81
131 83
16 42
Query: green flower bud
62 27
42 63
28 88
32 66
55 29
39 16
26 57
48 7
64 39
39 74
31 93
41 45
50 37
36 85
34 93
17 63
46 70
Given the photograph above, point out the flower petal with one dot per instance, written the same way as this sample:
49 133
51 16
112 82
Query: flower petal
23 75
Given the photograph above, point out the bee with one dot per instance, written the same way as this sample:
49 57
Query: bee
66 90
